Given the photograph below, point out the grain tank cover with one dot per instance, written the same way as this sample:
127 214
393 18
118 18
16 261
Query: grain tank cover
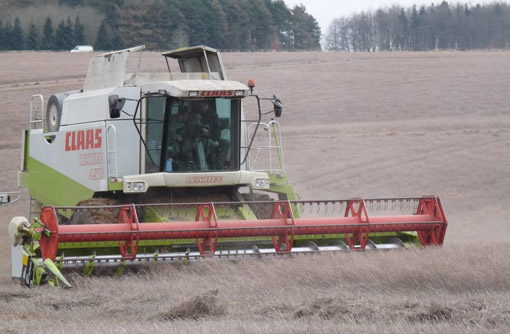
109 69
201 59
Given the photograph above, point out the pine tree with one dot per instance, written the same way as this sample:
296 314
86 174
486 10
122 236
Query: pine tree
306 30
263 31
195 13
237 35
69 34
403 35
103 41
112 36
64 37
7 32
442 23
174 12
18 42
314 30
2 36
218 24
32 39
415 26
60 38
282 20
153 25
116 41
48 40
78 36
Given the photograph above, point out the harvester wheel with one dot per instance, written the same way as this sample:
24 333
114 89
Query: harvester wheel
53 113
96 216
261 210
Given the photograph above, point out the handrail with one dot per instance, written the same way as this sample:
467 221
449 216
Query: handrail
33 116
273 137
111 151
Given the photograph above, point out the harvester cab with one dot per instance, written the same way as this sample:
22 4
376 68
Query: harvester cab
139 133
162 166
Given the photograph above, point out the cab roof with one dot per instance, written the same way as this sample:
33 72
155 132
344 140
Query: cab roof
188 52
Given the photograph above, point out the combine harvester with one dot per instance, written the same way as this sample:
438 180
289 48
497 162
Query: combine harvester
147 167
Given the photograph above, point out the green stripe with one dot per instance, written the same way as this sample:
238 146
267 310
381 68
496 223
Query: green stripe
51 187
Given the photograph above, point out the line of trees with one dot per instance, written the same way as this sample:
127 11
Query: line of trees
443 26
223 24
164 24
63 37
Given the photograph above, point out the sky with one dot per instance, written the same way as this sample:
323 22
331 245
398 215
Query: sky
327 10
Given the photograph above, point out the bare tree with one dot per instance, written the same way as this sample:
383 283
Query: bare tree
334 35
179 39
443 26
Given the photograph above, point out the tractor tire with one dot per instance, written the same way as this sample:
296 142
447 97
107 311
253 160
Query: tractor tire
53 114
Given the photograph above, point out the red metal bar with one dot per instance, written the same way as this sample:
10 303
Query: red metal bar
434 235
128 216
429 222
361 214
206 213
287 217
49 243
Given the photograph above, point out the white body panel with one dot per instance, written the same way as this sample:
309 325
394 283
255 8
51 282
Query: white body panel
16 261
124 140
88 162
77 151
86 107
187 180
20 264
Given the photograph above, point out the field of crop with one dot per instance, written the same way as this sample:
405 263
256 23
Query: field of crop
371 125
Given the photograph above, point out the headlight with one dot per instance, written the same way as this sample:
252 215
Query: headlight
138 186
261 183
193 93
239 93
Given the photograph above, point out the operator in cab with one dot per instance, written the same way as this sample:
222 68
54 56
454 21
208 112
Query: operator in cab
180 148
207 131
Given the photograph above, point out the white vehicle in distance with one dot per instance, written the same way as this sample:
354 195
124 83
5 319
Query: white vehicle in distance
83 48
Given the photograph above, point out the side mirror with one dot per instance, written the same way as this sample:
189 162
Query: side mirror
116 104
4 199
278 105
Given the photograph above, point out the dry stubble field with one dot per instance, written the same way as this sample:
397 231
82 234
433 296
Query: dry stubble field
372 125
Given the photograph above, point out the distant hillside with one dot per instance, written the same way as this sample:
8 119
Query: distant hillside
159 24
